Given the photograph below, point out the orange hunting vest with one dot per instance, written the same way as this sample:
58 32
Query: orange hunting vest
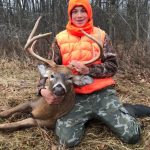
82 49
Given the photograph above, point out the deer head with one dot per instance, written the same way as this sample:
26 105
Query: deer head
60 76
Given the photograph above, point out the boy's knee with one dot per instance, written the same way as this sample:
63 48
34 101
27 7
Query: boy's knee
69 142
68 136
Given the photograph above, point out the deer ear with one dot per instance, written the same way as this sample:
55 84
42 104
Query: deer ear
44 71
81 80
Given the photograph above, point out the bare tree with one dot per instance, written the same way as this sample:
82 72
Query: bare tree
148 35
124 20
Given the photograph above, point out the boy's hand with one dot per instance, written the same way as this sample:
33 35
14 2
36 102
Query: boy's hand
49 97
80 67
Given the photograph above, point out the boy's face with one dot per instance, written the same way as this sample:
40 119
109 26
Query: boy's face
79 16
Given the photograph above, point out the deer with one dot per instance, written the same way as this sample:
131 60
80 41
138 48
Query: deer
60 82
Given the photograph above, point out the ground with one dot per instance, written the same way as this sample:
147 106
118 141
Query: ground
18 82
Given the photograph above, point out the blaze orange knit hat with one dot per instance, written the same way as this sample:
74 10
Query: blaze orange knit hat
89 26
84 3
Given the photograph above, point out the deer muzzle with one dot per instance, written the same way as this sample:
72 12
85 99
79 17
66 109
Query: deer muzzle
59 89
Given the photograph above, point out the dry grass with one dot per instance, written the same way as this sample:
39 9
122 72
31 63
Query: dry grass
18 82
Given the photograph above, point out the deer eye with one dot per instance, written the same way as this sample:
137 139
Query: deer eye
69 78
52 76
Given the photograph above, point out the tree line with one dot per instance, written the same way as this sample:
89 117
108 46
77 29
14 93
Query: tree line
126 21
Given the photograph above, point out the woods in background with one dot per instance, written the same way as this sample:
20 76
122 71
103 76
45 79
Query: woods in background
126 21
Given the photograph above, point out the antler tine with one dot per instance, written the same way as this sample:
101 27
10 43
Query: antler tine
34 28
31 38
32 33
32 41
99 43
50 62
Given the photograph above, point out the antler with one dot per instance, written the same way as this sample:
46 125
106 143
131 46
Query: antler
99 43
32 41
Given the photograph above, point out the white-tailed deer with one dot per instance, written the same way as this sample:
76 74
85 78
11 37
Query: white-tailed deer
60 83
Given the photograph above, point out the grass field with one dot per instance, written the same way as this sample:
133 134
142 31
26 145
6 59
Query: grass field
18 82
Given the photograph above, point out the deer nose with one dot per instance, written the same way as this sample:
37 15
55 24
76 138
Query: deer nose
58 90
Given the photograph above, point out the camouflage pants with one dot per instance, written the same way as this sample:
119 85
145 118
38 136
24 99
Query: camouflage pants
104 105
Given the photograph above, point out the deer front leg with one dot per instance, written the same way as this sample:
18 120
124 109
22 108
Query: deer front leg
26 123
25 107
